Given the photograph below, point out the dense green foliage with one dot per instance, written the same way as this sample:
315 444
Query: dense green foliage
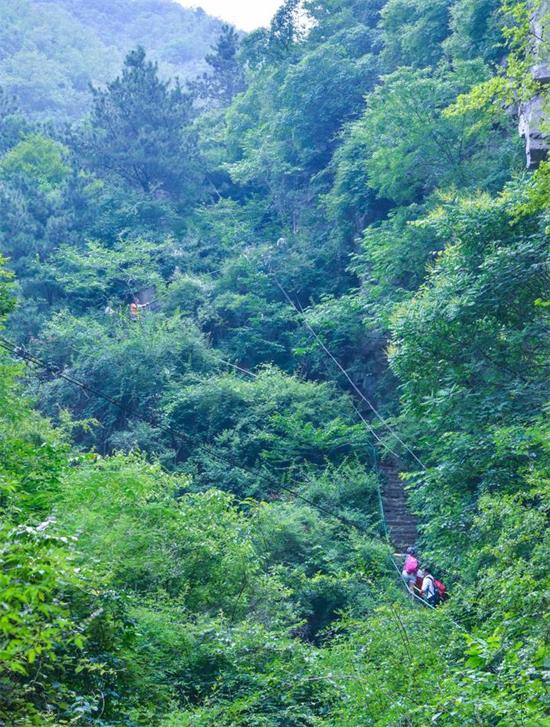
190 530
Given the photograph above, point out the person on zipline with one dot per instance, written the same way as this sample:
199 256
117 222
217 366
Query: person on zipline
410 569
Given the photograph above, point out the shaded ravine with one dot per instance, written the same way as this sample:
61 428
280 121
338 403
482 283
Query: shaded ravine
400 521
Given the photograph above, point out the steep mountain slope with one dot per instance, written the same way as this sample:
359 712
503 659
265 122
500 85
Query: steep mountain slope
51 50
351 295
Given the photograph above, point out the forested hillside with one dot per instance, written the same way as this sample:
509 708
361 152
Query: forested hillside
52 50
229 309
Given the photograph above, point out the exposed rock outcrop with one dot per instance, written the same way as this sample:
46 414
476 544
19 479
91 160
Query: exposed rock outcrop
534 113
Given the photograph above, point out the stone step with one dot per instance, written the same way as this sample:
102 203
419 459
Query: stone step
402 507
400 521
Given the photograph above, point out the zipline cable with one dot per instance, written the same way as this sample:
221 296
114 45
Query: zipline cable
375 411
26 356
8 345
344 372
371 429
20 352
238 368
23 354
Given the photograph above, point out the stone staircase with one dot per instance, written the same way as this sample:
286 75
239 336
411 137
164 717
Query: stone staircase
400 521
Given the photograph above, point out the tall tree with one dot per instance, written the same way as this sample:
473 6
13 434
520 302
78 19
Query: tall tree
225 79
140 131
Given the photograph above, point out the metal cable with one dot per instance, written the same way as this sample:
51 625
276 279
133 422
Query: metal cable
346 374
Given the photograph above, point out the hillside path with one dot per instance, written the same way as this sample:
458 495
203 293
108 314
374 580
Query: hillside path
399 519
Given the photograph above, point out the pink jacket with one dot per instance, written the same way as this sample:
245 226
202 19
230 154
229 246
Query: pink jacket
411 565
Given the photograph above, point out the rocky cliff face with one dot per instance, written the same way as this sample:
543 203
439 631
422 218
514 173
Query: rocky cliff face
533 114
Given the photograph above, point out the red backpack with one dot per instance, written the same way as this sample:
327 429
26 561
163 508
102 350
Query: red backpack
441 589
